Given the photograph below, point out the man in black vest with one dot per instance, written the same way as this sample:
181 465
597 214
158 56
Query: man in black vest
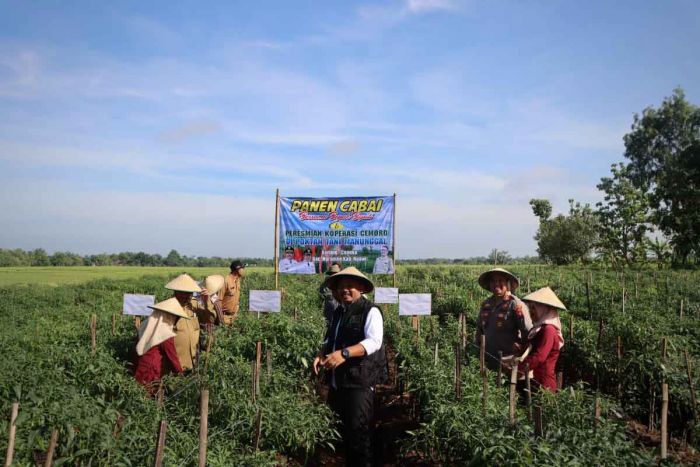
354 357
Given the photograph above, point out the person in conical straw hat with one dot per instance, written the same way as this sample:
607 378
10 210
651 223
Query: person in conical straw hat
545 336
187 330
156 344
354 358
503 318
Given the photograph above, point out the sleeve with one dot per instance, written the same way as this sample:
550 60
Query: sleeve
547 338
374 331
171 354
522 320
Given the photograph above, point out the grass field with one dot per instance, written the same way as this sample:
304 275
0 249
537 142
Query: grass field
79 274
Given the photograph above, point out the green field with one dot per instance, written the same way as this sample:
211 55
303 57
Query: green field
79 274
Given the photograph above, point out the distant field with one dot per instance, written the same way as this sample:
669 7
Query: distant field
78 274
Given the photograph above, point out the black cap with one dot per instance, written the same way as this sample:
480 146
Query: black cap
289 249
237 265
307 251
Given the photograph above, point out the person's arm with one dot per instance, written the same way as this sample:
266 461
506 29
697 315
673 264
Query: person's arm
374 335
171 354
547 339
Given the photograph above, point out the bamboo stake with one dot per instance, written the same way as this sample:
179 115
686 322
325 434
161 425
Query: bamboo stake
513 382
537 415
571 328
268 360
693 401
482 354
596 412
253 391
258 430
258 366
528 394
435 355
458 372
93 333
13 432
664 421
52 448
560 380
499 381
484 378
681 312
137 322
277 233
160 446
203 426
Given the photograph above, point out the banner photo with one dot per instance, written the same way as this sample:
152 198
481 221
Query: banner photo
353 231
137 304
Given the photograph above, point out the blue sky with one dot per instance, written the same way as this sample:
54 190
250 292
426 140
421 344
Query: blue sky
158 125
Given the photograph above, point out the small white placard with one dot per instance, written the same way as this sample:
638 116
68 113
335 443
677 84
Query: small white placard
265 301
137 304
412 304
386 295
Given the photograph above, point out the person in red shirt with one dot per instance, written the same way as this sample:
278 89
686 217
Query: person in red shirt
545 337
156 344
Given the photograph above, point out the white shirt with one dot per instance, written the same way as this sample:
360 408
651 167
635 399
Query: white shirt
286 265
374 335
306 267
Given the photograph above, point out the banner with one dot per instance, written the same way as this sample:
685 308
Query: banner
355 231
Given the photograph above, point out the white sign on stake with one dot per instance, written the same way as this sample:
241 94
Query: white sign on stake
269 301
137 304
412 304
386 295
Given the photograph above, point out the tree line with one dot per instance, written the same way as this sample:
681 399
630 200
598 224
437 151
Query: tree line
39 257
651 205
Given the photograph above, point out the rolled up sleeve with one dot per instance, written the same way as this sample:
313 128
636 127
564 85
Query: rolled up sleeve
374 331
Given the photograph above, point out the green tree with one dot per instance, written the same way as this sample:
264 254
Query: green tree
174 259
623 217
542 208
499 257
664 152
566 239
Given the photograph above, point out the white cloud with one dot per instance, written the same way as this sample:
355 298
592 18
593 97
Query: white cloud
424 6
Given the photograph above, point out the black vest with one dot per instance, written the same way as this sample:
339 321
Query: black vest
356 372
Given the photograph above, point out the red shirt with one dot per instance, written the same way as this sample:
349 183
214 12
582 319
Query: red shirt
159 360
543 358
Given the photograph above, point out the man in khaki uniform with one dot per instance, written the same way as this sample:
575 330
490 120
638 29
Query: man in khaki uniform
230 293
187 330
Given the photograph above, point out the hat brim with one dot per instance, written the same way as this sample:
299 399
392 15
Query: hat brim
485 279
332 281
170 312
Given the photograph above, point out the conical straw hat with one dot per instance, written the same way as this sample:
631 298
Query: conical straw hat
485 278
214 283
183 283
546 296
171 306
351 271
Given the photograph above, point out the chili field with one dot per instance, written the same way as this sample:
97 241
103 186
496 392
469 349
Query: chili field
627 335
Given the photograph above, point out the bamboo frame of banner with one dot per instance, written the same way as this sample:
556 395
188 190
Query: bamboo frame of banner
393 238
277 238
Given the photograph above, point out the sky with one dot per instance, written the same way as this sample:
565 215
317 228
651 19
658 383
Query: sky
147 126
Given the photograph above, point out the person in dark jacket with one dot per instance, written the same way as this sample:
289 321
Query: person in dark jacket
545 337
354 358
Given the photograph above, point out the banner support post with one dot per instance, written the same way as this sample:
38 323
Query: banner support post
277 232
393 238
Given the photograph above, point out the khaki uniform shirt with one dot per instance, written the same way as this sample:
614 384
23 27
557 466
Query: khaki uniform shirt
187 336
230 295
506 324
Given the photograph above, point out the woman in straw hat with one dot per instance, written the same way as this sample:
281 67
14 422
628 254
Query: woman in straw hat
503 318
187 330
355 361
156 344
545 336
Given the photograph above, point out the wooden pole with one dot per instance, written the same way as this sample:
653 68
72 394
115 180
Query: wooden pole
414 322
258 366
537 415
484 378
258 430
499 381
528 394
253 391
513 383
482 354
93 333
137 322
13 432
203 426
268 360
681 311
571 328
277 233
210 335
160 446
435 355
664 421
393 239
596 412
693 401
560 380
458 372
52 448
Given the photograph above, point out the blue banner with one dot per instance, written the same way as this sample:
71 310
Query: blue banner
353 231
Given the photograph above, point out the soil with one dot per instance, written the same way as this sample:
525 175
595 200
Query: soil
678 449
